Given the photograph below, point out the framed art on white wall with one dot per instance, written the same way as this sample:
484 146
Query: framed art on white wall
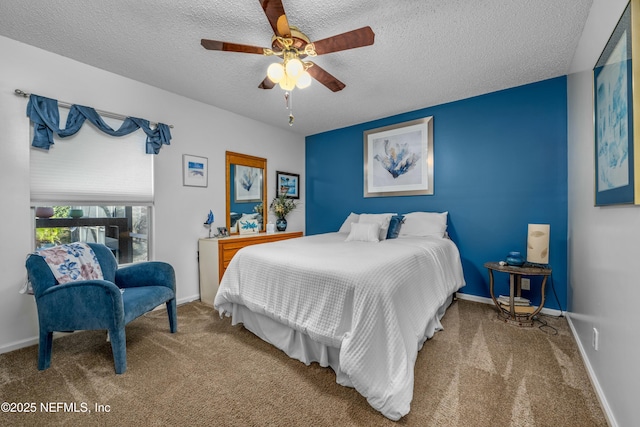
617 144
288 183
195 171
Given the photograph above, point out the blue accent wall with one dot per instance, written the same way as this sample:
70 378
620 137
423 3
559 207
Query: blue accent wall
500 164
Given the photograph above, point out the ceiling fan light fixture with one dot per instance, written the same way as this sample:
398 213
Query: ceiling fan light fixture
287 83
275 72
304 80
294 67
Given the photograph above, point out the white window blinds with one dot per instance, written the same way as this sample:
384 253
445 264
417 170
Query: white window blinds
93 167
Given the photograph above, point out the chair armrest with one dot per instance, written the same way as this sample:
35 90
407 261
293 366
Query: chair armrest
149 273
81 305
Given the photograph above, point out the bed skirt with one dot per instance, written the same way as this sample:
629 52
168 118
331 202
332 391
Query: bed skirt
300 346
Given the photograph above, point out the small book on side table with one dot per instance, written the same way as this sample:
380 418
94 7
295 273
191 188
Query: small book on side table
504 299
518 309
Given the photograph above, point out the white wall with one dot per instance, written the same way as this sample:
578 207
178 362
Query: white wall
604 289
180 211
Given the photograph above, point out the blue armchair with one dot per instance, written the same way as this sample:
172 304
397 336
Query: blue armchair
99 304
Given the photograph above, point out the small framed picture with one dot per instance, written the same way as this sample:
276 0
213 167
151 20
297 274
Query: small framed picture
288 183
222 232
195 171
248 226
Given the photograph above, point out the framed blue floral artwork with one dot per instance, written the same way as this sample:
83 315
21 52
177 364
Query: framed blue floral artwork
398 159
247 184
613 104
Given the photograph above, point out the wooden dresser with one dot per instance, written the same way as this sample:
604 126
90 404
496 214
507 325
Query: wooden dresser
214 255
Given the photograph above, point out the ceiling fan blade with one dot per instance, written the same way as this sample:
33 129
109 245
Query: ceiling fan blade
325 78
357 38
276 16
230 47
266 84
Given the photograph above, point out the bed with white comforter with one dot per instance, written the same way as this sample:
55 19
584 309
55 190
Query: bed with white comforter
363 308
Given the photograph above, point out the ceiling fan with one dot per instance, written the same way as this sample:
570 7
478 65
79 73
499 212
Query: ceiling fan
293 45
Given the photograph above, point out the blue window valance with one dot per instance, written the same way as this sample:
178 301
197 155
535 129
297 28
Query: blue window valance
45 116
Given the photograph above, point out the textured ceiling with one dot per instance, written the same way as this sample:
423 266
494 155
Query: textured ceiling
426 52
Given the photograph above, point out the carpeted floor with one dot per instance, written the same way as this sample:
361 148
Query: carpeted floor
479 371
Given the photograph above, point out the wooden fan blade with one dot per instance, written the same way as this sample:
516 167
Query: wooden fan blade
230 47
357 38
276 16
266 84
325 78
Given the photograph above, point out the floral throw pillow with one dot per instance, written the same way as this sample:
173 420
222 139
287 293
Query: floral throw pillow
71 262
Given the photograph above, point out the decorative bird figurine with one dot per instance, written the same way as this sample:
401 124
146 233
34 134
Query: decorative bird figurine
209 218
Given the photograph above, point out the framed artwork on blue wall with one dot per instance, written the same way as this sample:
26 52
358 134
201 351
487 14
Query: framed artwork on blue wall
616 143
398 159
288 183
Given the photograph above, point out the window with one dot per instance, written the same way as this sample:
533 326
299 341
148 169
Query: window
100 188
123 229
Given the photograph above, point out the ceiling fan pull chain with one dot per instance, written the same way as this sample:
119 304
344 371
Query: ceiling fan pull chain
288 99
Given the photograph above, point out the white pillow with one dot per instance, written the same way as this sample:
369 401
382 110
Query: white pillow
246 216
346 225
381 219
368 232
423 224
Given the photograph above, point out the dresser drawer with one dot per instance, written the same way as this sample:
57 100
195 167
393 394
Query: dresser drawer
227 247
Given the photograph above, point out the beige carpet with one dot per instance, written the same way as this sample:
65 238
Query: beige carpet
479 371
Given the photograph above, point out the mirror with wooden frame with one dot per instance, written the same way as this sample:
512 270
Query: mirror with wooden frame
246 190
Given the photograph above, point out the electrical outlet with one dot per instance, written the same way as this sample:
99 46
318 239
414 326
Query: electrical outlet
596 338
525 284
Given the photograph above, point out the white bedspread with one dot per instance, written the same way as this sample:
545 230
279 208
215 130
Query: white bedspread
371 300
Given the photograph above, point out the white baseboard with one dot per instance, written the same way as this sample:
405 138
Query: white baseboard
185 300
604 404
484 300
16 345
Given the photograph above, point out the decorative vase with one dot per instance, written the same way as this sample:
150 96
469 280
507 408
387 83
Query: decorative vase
515 259
44 212
76 213
281 224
